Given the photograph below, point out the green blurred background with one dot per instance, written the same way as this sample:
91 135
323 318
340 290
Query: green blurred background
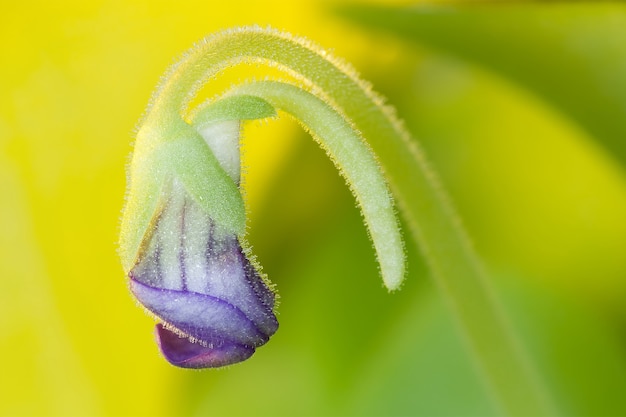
521 109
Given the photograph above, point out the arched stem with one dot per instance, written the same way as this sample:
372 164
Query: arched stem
500 359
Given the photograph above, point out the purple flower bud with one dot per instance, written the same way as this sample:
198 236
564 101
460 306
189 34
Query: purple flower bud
216 308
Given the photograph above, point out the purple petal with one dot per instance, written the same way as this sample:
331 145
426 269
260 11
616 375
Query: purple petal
199 315
181 352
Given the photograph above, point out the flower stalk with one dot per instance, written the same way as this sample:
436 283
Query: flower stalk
341 111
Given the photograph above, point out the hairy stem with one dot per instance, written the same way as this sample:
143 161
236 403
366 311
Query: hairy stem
501 360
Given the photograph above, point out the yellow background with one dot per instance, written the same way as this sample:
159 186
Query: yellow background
75 79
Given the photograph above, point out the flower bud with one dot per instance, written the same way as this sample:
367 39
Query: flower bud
193 275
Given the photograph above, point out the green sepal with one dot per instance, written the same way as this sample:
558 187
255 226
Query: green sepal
160 158
142 202
233 108
193 163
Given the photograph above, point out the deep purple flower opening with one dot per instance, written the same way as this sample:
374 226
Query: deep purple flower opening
180 351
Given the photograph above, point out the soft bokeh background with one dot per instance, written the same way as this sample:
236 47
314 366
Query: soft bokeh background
523 113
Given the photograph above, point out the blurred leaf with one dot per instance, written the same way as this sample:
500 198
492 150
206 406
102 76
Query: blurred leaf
421 368
579 352
573 55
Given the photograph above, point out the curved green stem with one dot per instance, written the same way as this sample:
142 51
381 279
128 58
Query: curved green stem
500 359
